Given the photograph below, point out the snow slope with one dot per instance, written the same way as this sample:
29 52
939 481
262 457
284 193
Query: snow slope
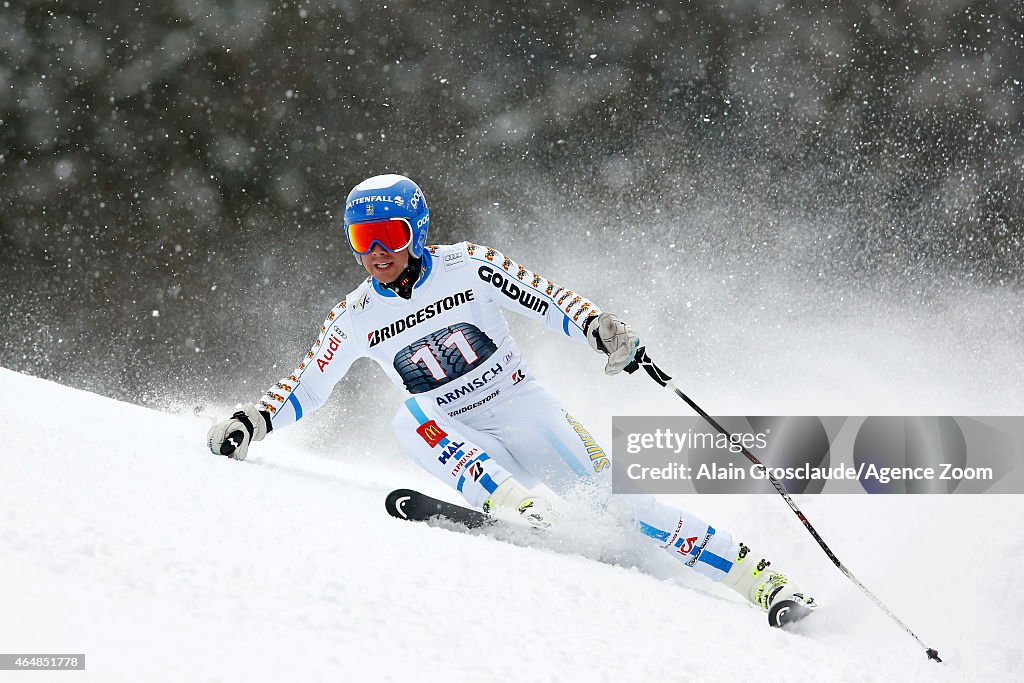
122 538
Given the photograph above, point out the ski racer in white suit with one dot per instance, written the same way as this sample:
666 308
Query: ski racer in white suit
476 418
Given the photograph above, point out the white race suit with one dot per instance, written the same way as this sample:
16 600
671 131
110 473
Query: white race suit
475 415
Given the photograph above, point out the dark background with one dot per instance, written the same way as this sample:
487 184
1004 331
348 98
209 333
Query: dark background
170 175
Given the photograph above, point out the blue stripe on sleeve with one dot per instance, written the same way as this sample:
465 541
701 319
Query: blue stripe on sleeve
565 325
296 406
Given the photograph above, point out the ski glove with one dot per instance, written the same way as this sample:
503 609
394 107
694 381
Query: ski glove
609 335
231 437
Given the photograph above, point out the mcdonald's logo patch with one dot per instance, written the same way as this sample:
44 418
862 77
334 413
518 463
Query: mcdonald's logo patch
431 433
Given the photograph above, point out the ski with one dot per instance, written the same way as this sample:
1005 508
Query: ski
414 506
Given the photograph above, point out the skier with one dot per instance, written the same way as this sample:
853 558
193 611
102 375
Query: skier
476 418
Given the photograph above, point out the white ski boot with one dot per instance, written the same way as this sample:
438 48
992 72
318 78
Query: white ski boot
768 589
512 499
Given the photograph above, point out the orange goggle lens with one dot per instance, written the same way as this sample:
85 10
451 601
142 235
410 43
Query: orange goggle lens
394 235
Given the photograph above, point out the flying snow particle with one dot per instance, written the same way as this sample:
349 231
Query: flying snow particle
63 169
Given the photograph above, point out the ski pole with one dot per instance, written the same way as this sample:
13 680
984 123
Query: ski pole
641 359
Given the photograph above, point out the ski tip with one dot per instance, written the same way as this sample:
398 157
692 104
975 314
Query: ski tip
395 502
789 611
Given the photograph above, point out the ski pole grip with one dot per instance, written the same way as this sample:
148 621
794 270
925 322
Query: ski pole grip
634 364
229 446
641 358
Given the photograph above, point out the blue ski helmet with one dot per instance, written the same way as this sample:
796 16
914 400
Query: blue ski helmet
385 197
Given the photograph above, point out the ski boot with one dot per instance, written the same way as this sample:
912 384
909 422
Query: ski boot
772 591
512 499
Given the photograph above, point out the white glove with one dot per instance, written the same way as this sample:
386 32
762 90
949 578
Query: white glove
611 336
231 437
512 499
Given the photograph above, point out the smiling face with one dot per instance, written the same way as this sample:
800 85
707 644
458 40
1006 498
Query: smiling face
385 266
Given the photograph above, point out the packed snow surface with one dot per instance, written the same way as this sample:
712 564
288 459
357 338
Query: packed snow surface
121 537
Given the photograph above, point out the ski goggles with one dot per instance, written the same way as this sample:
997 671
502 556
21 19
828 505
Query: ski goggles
394 234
